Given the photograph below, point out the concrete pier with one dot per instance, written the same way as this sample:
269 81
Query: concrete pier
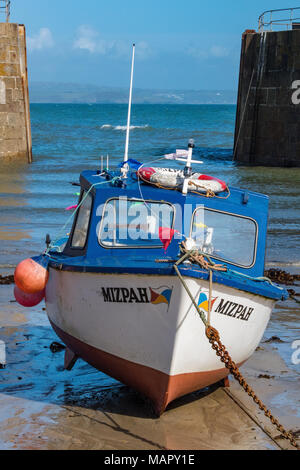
15 130
268 109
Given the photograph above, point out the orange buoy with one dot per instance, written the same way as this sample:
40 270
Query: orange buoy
28 300
31 275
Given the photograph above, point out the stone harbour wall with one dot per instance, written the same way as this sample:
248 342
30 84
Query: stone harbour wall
15 131
268 109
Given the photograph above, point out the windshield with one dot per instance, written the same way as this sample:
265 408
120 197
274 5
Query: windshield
82 222
128 223
228 237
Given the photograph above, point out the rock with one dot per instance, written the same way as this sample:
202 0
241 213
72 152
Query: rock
296 434
57 347
6 280
266 376
274 339
282 277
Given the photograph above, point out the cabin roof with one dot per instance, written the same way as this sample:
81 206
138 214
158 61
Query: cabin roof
238 197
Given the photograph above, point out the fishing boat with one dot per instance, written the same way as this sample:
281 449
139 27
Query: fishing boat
124 293
113 296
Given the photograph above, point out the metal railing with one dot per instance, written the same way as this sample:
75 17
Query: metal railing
5 9
279 20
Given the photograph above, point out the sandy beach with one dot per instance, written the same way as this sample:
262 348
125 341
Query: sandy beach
45 407
149 179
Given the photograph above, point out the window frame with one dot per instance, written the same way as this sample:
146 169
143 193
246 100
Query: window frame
126 247
83 248
234 215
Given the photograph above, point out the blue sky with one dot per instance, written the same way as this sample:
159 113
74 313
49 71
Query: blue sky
191 44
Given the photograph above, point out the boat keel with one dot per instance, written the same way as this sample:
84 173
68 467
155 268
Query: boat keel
70 359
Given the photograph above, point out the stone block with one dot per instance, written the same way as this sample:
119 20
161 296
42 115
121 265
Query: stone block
3 119
2 29
274 130
248 129
270 79
5 41
12 133
9 70
249 112
2 92
13 57
284 96
14 107
294 149
22 145
260 130
291 115
4 55
15 119
296 62
10 82
293 133
262 96
17 94
245 148
12 29
9 146
9 95
19 82
271 96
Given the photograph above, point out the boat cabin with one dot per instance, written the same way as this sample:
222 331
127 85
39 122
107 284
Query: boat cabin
134 227
140 221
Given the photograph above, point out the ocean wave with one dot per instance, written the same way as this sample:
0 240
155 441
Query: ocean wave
123 128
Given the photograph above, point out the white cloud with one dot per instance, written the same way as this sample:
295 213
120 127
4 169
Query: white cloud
42 40
213 51
90 40
219 51
143 50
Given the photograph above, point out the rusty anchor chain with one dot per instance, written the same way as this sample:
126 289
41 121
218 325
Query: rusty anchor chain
215 340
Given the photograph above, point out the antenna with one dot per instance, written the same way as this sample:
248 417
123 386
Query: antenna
5 8
125 167
188 168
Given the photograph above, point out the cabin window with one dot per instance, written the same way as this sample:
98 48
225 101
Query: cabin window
82 222
227 237
129 223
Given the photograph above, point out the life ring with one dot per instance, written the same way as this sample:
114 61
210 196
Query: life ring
173 179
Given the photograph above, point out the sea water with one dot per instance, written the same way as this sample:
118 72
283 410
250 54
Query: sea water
70 138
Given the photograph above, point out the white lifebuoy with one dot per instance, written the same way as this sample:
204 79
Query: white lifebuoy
173 179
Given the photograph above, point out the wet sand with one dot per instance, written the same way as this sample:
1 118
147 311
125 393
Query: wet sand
42 406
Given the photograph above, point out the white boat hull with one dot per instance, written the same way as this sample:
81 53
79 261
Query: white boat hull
144 330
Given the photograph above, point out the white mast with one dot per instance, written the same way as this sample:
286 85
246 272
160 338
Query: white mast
125 167
188 168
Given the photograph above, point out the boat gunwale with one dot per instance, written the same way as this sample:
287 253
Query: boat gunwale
233 279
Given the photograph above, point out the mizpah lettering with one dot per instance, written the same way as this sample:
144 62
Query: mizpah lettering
234 310
138 295
125 295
